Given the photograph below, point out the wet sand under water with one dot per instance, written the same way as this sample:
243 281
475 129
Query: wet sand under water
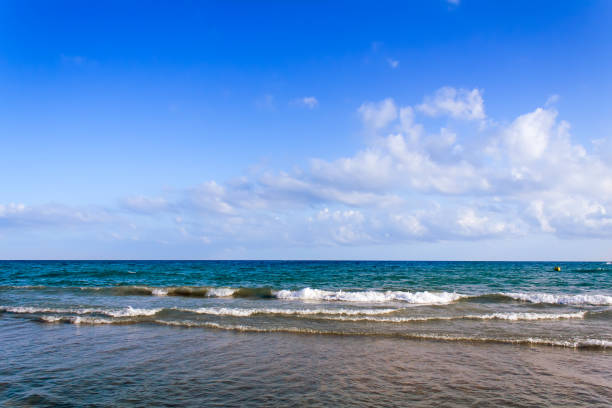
148 365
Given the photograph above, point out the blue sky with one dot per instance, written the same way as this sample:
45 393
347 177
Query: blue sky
336 130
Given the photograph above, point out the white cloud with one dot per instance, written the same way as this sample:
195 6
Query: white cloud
378 115
308 101
397 163
472 224
552 99
457 103
529 135
410 183
24 216
341 227
11 209
145 204
208 196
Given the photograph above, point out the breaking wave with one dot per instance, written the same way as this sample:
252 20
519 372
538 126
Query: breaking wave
560 299
356 296
183 291
370 296
367 296
242 312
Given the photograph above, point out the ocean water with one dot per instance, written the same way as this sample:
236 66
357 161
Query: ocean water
236 333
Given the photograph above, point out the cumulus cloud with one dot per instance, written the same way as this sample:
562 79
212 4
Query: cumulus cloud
457 103
378 115
397 163
529 135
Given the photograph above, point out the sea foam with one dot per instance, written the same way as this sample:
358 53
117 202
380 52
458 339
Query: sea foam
370 296
125 312
491 316
561 299
243 312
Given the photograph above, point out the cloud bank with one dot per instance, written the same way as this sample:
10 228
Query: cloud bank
490 180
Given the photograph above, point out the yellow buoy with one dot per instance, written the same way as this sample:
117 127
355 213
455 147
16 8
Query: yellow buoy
557 269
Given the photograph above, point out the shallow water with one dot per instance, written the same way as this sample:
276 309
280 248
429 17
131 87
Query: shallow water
143 365
307 333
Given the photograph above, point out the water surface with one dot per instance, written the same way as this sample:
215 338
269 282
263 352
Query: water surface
310 333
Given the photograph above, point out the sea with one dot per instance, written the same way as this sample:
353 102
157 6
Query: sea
305 333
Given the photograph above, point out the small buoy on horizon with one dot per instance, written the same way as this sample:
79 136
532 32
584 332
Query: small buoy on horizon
557 269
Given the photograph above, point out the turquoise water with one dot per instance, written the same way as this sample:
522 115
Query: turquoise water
464 277
212 329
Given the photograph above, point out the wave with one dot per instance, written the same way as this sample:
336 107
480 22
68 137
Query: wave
370 296
588 343
126 312
353 315
218 311
492 316
561 299
356 296
82 320
241 312
356 315
575 343
367 296
183 291
309 294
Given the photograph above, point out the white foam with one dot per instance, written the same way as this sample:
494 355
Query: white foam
580 343
370 296
51 319
528 316
127 312
77 320
240 312
220 292
159 291
131 312
327 314
562 299
30 309
492 316
595 342
243 328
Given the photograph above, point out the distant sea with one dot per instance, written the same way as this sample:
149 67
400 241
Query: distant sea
305 333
